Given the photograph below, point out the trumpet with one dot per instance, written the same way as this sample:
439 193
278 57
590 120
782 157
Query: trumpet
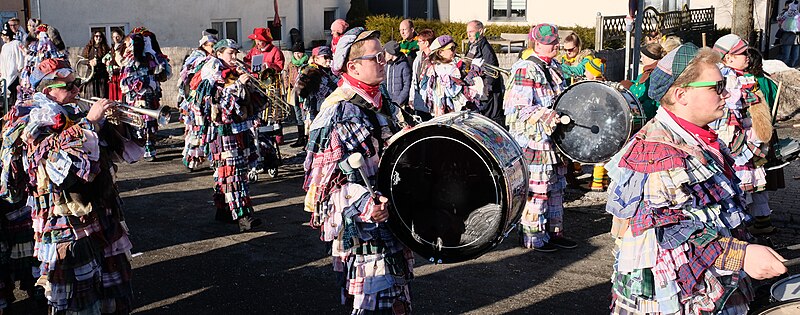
130 115
271 91
490 70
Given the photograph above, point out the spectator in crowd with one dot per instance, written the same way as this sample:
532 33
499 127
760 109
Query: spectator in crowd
12 60
94 51
19 33
293 68
574 58
338 28
408 42
650 55
113 62
398 74
419 66
790 24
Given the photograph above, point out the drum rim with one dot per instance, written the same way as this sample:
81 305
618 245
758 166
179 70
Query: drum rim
779 282
772 307
450 121
555 108
498 188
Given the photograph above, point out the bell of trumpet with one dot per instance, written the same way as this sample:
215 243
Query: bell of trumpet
125 114
490 70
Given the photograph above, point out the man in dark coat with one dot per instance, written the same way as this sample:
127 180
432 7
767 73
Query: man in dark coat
398 74
481 53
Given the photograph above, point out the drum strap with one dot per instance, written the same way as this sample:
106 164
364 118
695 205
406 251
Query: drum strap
545 68
372 116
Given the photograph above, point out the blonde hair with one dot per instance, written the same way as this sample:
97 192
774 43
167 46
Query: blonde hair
671 42
706 57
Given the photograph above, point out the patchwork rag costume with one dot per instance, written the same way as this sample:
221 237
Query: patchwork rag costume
530 95
193 107
373 266
60 168
678 215
452 86
144 68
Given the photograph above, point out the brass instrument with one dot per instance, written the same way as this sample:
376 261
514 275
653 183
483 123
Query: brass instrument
83 70
130 115
270 90
490 70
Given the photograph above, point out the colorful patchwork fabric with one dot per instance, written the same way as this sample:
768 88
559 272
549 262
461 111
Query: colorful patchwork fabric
375 267
669 184
447 88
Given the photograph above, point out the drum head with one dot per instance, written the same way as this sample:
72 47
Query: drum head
602 122
786 289
782 308
446 193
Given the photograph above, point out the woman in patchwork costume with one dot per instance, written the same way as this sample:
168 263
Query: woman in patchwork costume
529 99
374 268
144 68
449 84
192 108
681 246
232 110
61 159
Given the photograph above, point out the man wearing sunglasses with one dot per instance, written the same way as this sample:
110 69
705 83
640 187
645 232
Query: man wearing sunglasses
691 248
357 118
746 128
76 217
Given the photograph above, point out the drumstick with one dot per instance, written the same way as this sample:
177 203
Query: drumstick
356 160
566 120
792 262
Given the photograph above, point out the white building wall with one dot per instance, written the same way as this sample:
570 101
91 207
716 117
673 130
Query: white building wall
180 22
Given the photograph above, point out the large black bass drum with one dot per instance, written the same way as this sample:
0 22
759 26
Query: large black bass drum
604 117
456 185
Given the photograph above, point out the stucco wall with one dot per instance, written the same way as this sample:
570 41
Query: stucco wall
575 12
180 22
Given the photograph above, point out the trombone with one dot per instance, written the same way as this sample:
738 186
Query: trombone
490 70
130 115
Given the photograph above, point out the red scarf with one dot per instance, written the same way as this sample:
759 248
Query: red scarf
371 92
545 59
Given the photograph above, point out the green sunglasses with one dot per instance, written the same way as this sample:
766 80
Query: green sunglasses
719 86
67 85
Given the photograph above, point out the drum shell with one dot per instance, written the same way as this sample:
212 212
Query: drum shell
605 116
791 307
506 168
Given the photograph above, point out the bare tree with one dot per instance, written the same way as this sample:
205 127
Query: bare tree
743 18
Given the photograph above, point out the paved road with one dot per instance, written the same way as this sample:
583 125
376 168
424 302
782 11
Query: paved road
187 263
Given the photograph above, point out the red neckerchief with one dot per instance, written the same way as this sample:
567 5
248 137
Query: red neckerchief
707 136
373 91
545 59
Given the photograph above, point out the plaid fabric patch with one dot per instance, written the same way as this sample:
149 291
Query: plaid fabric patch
700 259
732 257
650 157
647 218
676 234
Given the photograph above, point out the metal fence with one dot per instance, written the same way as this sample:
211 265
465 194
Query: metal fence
684 23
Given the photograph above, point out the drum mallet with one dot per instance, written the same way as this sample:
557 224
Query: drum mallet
356 160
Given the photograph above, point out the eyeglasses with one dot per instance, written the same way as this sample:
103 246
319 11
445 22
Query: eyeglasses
69 86
380 58
719 86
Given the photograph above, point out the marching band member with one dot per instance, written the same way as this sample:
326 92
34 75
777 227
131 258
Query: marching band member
650 55
315 82
420 66
58 161
144 68
678 213
46 43
193 108
491 104
530 96
374 267
746 128
449 84
273 56
233 111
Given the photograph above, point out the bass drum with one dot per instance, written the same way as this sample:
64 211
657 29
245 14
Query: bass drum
456 184
604 117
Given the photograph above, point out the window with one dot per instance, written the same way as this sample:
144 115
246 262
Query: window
7 15
277 32
227 29
106 30
507 9
328 16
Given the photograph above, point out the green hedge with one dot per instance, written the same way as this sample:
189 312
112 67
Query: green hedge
388 25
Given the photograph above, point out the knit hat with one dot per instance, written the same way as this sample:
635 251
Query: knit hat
262 34
298 47
339 26
441 42
670 68
7 30
596 67
347 40
392 48
226 43
207 39
211 31
730 44
49 69
321 51
545 34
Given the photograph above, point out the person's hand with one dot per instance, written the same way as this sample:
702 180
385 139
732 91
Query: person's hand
93 62
243 79
762 262
379 211
98 110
